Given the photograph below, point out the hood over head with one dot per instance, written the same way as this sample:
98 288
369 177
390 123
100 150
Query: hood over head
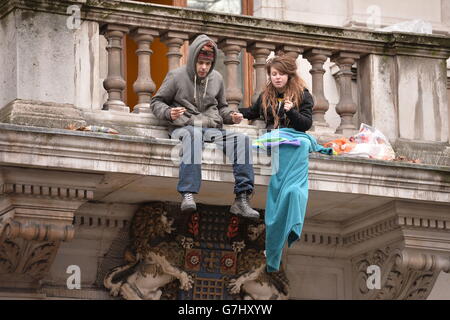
194 51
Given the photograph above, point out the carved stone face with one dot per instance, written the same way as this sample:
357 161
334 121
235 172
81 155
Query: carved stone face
167 223
255 231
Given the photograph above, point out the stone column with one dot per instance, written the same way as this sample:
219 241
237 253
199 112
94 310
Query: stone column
346 107
260 51
292 51
114 83
317 58
144 85
174 41
232 48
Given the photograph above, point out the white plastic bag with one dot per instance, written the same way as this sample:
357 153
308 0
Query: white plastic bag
371 143
414 26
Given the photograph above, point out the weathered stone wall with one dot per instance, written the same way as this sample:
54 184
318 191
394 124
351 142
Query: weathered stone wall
361 13
355 205
90 66
8 59
391 12
45 43
378 94
422 99
405 97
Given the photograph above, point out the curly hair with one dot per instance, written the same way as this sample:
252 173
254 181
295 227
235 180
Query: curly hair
149 223
292 91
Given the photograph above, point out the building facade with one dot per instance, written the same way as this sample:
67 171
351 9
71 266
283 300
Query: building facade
73 197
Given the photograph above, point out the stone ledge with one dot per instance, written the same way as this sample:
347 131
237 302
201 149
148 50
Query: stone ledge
436 153
132 124
144 156
41 114
87 293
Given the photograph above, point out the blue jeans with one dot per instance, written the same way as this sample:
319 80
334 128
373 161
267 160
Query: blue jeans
235 145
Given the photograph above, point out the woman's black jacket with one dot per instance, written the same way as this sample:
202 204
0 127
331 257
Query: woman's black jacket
300 120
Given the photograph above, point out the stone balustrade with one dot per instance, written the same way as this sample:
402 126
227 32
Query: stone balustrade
317 44
398 75
69 194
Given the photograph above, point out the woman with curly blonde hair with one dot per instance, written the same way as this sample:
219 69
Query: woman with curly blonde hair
285 101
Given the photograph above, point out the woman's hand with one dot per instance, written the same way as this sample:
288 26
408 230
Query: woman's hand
237 117
175 113
288 105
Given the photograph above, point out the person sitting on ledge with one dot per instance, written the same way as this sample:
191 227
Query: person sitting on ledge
285 102
286 106
192 99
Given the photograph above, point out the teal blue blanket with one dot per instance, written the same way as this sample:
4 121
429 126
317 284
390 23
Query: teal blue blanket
287 194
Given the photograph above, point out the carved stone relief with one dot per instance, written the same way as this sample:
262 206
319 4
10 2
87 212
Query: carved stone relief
36 214
405 274
23 263
209 254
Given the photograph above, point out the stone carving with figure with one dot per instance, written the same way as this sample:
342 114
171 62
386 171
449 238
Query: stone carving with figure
152 263
181 258
254 282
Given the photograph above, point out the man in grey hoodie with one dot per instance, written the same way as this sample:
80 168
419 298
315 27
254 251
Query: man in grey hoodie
192 99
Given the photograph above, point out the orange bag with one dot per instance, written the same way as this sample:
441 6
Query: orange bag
341 145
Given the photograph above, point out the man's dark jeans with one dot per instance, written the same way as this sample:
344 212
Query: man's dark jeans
235 145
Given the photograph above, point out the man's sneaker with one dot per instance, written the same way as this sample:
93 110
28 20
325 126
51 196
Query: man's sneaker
188 204
242 208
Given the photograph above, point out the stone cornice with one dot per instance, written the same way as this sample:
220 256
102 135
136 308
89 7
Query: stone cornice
417 226
36 214
246 28
59 192
39 232
417 222
89 221
94 152
386 175
367 233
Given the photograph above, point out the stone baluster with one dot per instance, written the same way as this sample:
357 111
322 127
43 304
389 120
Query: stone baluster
260 51
114 83
232 48
317 58
174 41
144 85
346 108
292 51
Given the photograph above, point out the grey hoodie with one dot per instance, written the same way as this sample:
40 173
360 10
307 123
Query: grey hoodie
207 105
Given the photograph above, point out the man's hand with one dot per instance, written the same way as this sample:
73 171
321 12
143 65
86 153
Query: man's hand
237 117
175 113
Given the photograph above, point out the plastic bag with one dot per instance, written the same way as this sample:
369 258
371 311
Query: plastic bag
371 143
414 26
339 146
